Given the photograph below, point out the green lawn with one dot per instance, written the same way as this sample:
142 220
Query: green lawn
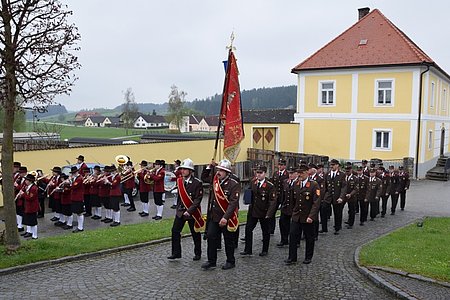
89 241
419 250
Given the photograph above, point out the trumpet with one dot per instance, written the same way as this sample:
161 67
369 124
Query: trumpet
147 178
44 177
61 186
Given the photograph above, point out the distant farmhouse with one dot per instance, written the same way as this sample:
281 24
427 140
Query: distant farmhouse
81 117
150 121
188 124
373 93
101 121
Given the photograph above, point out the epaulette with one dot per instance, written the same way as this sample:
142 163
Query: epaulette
270 183
195 178
234 180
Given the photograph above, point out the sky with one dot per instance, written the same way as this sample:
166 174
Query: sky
150 45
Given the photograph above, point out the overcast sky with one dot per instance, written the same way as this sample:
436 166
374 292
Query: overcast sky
150 45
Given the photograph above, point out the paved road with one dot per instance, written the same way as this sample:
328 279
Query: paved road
145 273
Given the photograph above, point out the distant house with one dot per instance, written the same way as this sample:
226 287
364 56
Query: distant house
102 121
80 117
188 124
208 124
150 121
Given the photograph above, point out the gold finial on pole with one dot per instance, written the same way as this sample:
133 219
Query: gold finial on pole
231 42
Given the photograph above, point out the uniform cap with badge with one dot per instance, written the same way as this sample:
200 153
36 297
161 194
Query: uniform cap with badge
187 164
334 162
225 165
260 169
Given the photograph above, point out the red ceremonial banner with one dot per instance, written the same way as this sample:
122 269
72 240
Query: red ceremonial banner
231 111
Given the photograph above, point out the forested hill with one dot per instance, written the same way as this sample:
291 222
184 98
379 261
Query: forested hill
51 110
262 98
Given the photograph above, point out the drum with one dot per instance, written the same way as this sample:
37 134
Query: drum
169 181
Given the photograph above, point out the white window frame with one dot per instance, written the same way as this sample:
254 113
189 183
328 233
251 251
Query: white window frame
374 139
376 104
433 94
430 139
444 100
320 93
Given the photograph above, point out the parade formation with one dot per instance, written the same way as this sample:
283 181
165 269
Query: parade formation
306 196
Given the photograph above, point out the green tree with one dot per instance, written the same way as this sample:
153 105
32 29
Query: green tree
37 50
129 110
176 109
19 121
61 118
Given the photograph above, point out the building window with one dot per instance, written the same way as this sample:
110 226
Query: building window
444 100
382 139
432 94
384 93
430 139
327 92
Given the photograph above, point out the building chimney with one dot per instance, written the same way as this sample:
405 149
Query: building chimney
362 12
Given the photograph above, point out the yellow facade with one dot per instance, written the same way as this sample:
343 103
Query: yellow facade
400 131
430 147
367 94
327 137
343 97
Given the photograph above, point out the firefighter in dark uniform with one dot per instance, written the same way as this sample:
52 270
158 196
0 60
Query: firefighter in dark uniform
220 217
317 177
362 181
262 209
395 188
373 194
335 188
194 189
385 189
403 186
350 195
306 208
278 179
287 206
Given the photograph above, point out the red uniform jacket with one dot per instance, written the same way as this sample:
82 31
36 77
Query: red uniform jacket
158 178
77 188
94 188
143 187
115 185
66 196
31 199
84 169
129 184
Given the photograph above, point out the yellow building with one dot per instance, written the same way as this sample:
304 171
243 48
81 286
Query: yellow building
373 93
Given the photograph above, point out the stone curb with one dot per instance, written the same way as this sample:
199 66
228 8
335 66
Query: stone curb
99 253
379 281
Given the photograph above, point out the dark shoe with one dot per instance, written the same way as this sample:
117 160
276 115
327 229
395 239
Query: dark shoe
289 262
382 215
67 227
108 221
103 220
34 238
242 239
316 238
144 214
307 261
54 219
349 227
361 224
96 217
157 218
125 204
173 206
323 231
245 253
281 244
87 214
346 222
264 253
27 235
77 230
372 219
173 256
228 266
40 216
60 224
154 217
22 234
392 213
402 209
336 233
196 257
141 213
20 229
208 265
131 209
115 224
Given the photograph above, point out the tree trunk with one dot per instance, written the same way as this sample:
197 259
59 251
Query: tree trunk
12 240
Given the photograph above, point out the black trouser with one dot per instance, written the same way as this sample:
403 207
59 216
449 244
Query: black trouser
177 227
364 209
129 192
324 213
294 239
402 199
88 204
41 206
285 223
251 224
213 235
316 229
356 207
143 196
272 221
157 196
351 212
384 200
374 208
337 211
394 201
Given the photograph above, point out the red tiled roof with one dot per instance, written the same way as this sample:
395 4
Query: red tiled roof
386 45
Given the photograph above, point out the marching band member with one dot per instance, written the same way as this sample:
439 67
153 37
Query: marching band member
54 200
77 197
104 194
18 186
29 195
65 202
87 194
94 189
144 188
190 194
158 187
81 165
115 195
42 189
128 186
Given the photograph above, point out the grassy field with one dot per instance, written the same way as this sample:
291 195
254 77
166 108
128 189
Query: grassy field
90 241
420 250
